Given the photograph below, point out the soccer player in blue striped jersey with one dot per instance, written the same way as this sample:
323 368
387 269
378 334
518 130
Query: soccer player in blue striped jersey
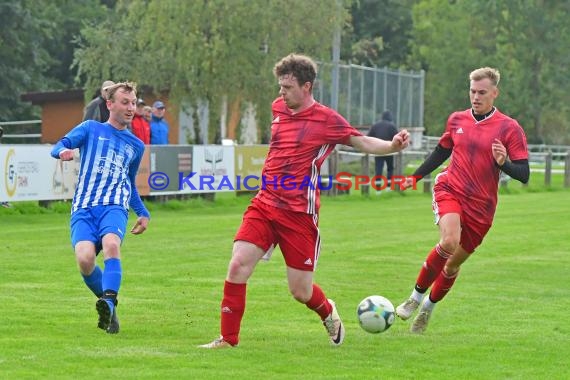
106 188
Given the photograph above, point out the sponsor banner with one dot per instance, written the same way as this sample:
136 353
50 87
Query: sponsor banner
249 162
168 161
30 173
212 166
143 173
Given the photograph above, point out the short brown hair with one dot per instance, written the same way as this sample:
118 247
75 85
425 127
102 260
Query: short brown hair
126 86
300 66
486 72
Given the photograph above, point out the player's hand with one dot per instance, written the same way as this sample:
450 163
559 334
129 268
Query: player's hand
499 152
140 226
401 140
410 181
66 155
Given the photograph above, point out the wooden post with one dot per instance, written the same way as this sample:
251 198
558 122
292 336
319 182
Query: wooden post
503 180
365 170
427 183
333 170
567 170
398 168
548 168
427 179
399 163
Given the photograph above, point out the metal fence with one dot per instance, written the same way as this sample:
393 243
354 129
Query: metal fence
552 160
21 132
365 92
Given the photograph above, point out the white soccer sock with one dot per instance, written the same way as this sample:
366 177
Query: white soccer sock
428 305
417 296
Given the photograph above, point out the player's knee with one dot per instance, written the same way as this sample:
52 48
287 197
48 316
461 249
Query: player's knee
238 270
234 267
301 295
449 243
112 249
85 262
451 270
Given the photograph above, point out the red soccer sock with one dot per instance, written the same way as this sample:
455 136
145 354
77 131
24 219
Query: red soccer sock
233 307
319 303
442 286
432 267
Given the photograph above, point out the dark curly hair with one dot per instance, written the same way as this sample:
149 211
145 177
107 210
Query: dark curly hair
303 68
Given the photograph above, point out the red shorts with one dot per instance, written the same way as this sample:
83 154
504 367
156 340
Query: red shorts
296 233
472 231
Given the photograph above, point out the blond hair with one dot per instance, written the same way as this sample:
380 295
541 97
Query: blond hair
125 86
486 72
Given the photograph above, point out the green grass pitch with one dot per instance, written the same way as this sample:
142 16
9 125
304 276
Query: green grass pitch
508 316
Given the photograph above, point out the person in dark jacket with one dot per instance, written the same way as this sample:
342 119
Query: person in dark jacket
97 108
385 129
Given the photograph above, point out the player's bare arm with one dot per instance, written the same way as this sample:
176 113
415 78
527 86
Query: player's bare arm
140 225
374 145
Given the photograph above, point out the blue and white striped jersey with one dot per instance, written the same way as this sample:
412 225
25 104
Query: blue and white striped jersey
110 160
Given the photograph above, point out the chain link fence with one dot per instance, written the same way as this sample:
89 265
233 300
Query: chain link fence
365 92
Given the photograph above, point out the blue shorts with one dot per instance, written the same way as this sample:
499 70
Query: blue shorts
91 224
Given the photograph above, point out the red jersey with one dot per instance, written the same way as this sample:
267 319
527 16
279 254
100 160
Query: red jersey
299 145
141 128
472 173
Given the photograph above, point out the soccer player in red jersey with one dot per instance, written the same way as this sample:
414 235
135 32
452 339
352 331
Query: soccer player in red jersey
484 142
285 210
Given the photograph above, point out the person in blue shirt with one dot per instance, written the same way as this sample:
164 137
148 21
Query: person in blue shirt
106 188
158 126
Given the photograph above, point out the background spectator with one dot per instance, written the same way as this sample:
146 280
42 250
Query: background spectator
97 108
140 126
158 126
147 113
385 129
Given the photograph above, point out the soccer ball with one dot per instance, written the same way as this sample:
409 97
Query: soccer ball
375 314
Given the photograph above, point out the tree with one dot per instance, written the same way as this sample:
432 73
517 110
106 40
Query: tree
444 48
526 39
381 33
22 57
534 37
36 48
206 50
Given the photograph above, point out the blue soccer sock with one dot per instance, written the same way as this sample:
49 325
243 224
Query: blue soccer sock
94 281
112 279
